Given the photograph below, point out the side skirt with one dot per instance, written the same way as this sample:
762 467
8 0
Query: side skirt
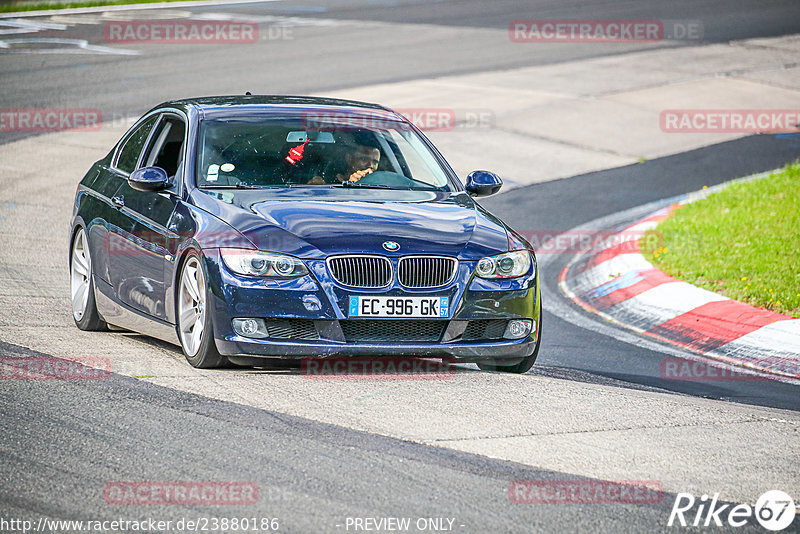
120 315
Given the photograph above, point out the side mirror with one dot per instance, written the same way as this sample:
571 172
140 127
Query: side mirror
149 179
483 183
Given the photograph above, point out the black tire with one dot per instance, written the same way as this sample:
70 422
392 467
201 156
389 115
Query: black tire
239 362
265 362
89 319
205 355
523 366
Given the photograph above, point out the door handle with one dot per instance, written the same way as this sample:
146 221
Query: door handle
119 202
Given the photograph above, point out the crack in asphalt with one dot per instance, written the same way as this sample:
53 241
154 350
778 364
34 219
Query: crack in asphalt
615 429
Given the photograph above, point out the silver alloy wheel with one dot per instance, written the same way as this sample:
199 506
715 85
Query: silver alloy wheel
80 275
192 306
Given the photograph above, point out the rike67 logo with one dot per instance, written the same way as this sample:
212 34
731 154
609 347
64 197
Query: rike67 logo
774 510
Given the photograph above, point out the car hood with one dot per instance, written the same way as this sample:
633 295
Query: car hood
318 222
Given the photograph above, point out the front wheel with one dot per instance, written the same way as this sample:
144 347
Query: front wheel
194 322
524 365
81 285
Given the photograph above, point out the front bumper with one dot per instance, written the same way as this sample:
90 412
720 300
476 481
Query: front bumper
321 305
507 351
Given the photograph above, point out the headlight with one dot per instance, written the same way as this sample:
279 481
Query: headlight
508 265
257 263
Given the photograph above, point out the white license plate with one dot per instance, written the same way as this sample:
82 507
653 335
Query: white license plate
399 307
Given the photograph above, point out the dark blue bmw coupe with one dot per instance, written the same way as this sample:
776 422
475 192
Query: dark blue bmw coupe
285 227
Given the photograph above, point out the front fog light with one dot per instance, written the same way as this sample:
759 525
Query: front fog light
254 328
518 329
249 327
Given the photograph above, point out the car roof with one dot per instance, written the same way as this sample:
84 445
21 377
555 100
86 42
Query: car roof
234 105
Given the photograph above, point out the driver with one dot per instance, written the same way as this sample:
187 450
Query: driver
359 161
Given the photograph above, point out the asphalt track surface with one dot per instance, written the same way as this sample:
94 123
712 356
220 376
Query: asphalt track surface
384 43
311 476
61 443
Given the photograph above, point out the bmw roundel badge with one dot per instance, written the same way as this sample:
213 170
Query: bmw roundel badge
391 246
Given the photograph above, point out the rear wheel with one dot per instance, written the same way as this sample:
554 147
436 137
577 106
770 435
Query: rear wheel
81 284
524 365
194 322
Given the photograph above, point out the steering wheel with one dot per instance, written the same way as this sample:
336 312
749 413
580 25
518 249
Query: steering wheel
387 178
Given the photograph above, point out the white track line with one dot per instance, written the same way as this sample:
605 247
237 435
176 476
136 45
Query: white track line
129 7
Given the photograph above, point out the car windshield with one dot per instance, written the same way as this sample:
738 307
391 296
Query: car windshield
263 152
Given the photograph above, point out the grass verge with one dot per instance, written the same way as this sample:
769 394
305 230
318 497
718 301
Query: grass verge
742 242
13 7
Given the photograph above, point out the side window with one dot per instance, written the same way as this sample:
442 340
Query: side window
166 150
129 155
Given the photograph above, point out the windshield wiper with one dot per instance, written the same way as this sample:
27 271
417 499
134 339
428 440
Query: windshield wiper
365 186
242 185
